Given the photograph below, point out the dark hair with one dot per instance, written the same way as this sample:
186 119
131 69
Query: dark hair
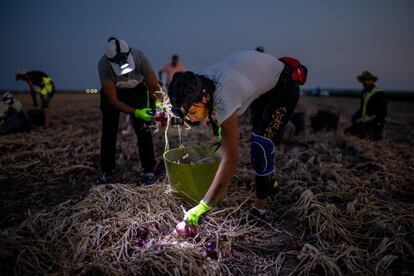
210 87
175 57
187 88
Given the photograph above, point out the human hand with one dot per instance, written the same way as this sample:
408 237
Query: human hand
146 114
158 104
192 216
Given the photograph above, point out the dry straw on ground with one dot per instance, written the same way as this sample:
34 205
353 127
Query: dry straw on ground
344 206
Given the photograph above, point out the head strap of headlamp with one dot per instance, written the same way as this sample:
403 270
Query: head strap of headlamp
119 58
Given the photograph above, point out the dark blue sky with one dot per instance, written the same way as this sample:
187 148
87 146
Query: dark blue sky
335 39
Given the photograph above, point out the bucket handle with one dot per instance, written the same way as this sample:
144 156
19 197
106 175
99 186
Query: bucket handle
215 146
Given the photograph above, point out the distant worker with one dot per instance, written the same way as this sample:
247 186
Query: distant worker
128 86
260 49
170 69
9 105
369 120
45 86
12 118
224 91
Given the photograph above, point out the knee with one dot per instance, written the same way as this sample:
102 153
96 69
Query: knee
261 155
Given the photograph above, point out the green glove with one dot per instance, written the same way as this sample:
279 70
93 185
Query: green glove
219 137
192 216
158 104
145 114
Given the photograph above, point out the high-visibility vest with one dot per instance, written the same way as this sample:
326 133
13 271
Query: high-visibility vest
47 86
368 96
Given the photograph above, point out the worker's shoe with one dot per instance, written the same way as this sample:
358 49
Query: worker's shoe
256 218
107 178
148 178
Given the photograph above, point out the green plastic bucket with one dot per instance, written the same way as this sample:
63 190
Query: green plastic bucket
191 170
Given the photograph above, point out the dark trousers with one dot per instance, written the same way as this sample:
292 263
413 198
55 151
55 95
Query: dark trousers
270 113
137 97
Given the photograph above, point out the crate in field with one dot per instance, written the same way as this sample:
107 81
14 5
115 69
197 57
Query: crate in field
325 120
36 117
15 123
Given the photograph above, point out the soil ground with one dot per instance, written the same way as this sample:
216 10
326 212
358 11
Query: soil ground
79 115
44 168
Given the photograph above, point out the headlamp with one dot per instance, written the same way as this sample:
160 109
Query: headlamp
125 65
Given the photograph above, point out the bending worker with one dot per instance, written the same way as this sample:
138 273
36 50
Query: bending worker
369 120
46 89
128 86
223 92
9 105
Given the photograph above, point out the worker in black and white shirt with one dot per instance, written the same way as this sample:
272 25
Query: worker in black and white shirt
128 86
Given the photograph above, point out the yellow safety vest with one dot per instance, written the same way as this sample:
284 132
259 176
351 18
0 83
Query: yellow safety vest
47 86
371 93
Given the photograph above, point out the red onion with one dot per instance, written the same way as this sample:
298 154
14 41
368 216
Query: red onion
160 117
210 245
142 232
186 230
142 243
230 253
211 249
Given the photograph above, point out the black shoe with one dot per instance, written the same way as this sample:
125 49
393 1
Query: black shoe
148 178
255 218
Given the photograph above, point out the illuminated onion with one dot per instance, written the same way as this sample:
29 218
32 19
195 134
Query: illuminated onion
186 230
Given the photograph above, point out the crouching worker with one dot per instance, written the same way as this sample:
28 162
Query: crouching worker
223 92
44 85
12 117
128 86
368 122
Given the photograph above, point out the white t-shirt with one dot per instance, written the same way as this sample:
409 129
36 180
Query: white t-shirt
240 79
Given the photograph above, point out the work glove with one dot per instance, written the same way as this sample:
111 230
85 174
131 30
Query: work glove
145 114
158 104
193 215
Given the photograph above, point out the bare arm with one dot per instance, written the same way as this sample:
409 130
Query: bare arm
109 91
32 92
152 83
228 164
